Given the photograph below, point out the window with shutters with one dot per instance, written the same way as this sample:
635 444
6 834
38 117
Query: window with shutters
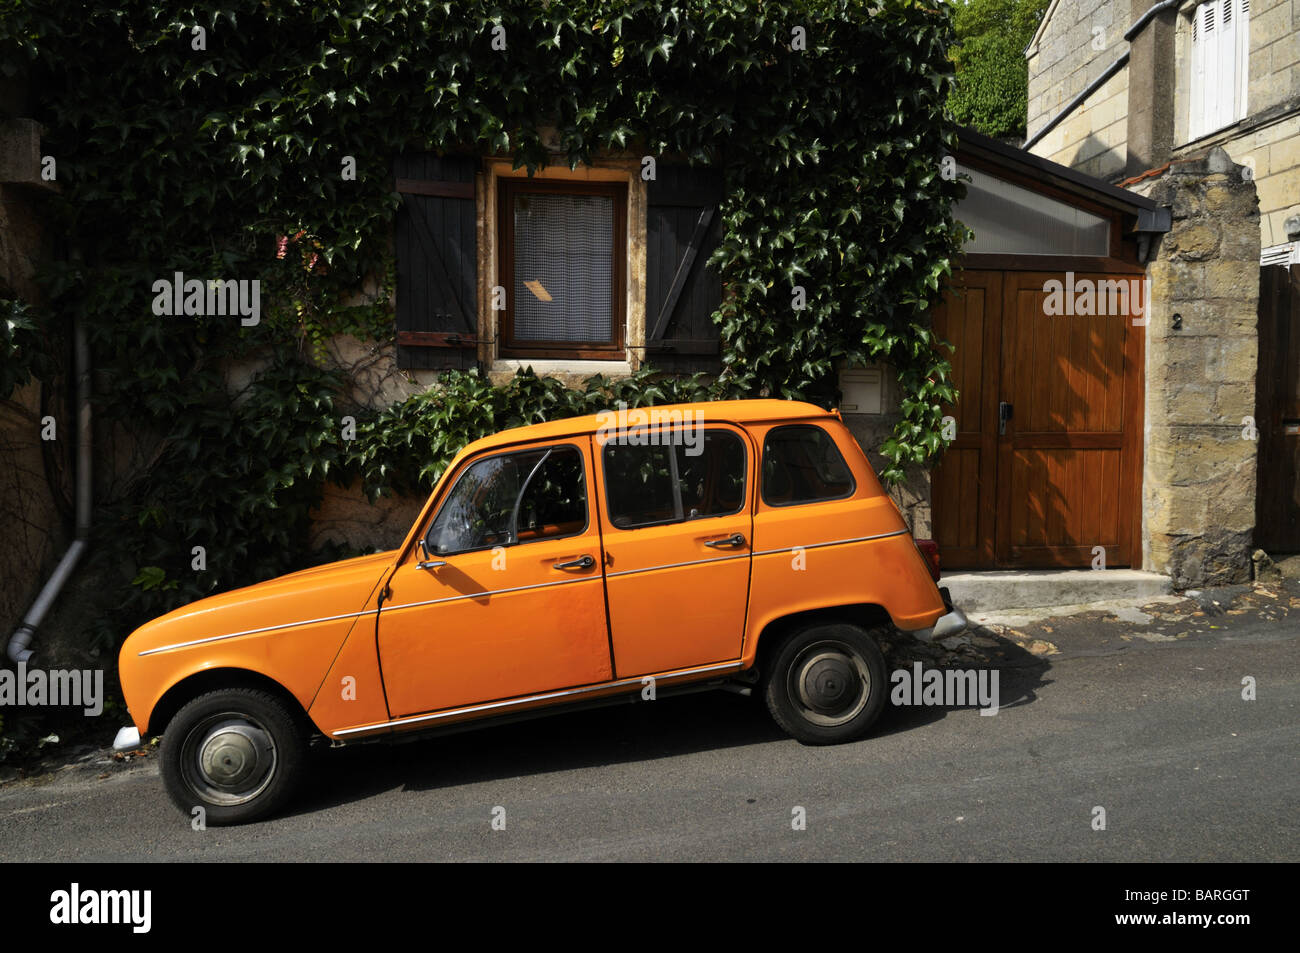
501 270
1219 65
683 228
562 259
436 248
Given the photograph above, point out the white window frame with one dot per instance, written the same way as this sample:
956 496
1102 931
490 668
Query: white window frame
1219 64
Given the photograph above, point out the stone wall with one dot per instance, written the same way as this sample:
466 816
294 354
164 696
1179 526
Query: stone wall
1063 61
870 431
1272 152
1268 140
345 516
1274 54
1097 137
1201 358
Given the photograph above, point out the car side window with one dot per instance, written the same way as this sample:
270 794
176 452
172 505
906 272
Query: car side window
512 498
802 464
651 484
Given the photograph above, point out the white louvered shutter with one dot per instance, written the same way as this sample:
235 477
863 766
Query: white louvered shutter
1219 65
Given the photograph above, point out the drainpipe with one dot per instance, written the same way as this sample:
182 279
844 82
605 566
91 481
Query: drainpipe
19 650
1109 71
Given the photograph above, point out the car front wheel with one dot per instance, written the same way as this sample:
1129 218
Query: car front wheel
237 753
826 684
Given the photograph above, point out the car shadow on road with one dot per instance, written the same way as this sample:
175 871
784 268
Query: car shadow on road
628 732
1020 677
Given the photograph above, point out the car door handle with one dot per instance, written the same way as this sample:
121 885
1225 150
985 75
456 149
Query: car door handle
582 562
734 540
431 564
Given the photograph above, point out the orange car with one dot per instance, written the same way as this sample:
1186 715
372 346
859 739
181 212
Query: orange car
741 544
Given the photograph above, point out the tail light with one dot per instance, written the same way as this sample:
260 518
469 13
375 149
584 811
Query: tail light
929 550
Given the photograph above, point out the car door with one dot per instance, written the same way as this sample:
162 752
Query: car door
505 596
677 521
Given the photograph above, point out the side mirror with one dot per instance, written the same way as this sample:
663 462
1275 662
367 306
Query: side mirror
425 562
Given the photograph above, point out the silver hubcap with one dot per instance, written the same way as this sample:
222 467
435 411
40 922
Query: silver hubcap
229 758
830 683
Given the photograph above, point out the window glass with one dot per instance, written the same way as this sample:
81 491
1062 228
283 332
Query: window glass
712 482
802 464
554 503
1010 220
512 498
690 479
563 267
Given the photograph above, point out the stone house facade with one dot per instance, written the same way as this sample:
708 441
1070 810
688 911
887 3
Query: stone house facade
1144 95
1162 86
1090 460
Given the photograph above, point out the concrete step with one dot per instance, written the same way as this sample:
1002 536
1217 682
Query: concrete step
999 590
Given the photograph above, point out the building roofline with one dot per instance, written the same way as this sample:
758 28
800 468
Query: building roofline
1063 177
1032 48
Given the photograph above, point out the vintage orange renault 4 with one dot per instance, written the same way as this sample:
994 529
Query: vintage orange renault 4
622 556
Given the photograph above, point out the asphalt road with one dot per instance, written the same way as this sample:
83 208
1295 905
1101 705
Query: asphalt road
1156 733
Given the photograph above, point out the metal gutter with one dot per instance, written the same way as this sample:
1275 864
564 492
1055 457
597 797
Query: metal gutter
1146 18
19 648
1069 107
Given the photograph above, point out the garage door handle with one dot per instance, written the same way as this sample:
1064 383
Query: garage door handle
582 562
1004 414
734 540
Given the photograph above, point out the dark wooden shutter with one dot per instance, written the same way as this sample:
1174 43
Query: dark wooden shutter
437 255
682 229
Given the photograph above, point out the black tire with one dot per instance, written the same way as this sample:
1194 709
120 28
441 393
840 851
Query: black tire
237 753
826 683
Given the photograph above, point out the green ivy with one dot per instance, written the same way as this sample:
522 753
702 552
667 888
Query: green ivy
226 161
23 352
405 448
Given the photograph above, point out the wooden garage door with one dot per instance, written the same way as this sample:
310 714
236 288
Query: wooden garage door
1059 475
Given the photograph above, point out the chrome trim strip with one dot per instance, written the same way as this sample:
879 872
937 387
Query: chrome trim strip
268 628
498 592
492 592
358 615
838 542
638 680
694 562
765 552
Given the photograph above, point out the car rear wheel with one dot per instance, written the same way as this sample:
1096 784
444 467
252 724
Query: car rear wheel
826 683
237 753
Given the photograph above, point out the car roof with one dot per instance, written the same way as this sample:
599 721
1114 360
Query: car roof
717 411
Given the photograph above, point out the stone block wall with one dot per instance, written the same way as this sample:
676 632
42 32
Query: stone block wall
1268 139
870 431
1272 152
1201 358
1081 38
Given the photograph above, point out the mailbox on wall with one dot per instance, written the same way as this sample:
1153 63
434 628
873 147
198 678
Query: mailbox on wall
861 389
